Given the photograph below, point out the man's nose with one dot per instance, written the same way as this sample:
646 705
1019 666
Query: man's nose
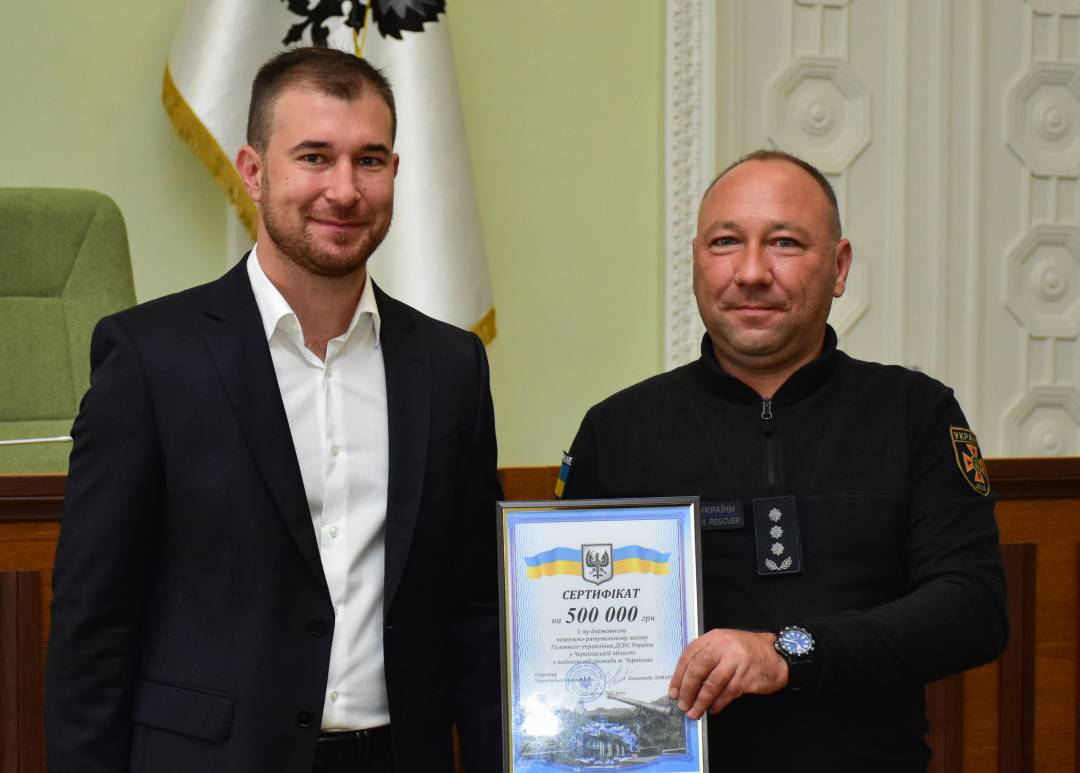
342 188
752 266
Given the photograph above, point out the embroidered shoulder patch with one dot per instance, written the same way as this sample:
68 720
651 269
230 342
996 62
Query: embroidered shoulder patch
969 459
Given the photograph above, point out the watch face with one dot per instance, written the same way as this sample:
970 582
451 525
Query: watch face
796 641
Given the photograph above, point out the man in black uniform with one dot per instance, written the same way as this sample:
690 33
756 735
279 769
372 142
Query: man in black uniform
849 545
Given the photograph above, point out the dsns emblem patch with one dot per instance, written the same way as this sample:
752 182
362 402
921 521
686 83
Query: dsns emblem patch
969 459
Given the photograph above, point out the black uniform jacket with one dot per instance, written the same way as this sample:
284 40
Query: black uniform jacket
191 620
901 580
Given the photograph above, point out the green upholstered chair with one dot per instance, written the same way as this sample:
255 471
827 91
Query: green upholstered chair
64 264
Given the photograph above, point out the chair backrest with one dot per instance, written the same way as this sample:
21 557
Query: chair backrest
64 264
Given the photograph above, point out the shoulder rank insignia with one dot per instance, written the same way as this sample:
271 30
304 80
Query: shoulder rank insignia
969 459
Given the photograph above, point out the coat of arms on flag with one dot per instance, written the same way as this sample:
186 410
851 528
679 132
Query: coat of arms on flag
597 565
433 257
390 17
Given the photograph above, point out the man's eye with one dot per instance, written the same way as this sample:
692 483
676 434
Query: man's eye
724 241
370 161
311 158
786 243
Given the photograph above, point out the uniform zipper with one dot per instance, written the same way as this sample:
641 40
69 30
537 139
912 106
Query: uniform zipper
769 445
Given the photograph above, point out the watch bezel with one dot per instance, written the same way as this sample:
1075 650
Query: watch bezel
784 647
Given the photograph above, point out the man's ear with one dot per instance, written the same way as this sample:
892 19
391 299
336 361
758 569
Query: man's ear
843 265
249 164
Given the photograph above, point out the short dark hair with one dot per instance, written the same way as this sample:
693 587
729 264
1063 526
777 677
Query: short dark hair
333 72
767 154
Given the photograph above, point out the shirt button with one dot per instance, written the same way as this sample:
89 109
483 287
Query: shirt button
337 611
334 450
333 531
333 696
304 719
326 371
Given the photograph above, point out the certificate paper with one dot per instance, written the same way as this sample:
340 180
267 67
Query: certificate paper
599 599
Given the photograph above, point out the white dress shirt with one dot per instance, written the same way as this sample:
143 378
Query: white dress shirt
337 416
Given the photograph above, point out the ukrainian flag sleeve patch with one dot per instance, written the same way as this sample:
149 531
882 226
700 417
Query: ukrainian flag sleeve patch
564 473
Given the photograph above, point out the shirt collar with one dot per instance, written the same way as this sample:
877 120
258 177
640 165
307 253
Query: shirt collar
273 308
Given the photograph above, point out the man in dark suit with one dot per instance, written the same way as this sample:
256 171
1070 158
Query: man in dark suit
277 550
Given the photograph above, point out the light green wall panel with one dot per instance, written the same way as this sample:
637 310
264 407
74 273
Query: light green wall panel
564 112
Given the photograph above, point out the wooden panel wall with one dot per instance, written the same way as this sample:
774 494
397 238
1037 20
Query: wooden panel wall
21 741
1017 714
1016 672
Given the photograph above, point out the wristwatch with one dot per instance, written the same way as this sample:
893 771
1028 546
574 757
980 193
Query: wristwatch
796 646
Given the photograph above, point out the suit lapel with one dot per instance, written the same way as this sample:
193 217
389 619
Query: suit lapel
238 346
408 398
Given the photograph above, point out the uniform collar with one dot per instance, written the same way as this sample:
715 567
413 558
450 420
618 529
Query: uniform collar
804 381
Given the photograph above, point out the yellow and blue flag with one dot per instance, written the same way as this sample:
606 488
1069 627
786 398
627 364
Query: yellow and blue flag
626 560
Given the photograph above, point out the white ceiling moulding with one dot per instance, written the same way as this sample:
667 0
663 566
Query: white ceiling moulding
690 121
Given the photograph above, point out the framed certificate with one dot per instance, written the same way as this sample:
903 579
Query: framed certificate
599 599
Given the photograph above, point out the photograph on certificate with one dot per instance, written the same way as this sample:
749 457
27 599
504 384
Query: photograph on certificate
599 601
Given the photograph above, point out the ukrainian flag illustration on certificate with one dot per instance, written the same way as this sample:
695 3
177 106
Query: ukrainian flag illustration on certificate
599 599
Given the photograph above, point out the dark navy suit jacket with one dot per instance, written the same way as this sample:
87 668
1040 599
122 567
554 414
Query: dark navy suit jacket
191 620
